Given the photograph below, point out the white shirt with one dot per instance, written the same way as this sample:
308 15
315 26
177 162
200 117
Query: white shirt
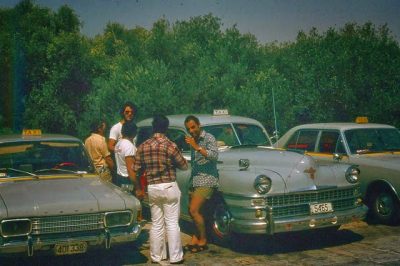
124 148
115 132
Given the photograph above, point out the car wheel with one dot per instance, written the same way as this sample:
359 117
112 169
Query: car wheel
218 224
384 207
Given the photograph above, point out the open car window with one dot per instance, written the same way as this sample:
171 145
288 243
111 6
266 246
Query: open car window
331 142
175 135
238 134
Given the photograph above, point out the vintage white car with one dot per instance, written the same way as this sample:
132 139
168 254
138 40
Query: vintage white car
265 190
375 148
51 200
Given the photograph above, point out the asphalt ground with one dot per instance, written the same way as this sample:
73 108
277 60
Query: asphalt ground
357 243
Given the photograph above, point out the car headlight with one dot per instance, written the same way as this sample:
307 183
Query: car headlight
121 218
15 227
352 174
262 184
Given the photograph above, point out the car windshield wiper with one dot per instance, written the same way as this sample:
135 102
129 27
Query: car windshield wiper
79 173
366 151
19 171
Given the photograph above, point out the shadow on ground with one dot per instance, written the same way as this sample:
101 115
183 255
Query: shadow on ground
123 254
292 242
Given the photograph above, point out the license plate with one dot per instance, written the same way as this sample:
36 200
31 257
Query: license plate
321 208
70 248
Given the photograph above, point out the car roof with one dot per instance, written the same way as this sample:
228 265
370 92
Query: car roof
334 126
342 126
205 119
44 137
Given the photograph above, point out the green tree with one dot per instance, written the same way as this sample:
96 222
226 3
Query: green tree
342 74
28 31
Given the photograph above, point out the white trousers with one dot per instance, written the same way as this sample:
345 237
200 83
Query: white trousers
164 200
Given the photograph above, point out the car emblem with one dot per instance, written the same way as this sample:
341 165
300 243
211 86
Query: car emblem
311 171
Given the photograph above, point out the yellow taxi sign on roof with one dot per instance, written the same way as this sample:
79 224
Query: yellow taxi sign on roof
31 132
221 112
362 119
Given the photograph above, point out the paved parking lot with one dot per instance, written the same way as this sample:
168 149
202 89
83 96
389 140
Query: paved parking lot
357 243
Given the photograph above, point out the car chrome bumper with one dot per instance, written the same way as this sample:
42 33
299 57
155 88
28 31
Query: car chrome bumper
106 239
271 225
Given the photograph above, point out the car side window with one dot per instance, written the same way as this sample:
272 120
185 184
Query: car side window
303 140
178 136
144 133
329 142
175 135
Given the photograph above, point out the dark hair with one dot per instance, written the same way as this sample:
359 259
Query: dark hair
129 129
160 124
192 118
95 125
131 105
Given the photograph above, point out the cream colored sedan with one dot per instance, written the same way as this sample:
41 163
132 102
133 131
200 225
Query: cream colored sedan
374 148
52 201
264 190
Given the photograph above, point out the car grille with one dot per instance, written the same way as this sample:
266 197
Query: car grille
299 203
67 224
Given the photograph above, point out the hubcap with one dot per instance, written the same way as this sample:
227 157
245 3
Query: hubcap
384 204
222 219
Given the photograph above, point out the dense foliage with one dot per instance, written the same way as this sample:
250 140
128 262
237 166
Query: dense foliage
55 78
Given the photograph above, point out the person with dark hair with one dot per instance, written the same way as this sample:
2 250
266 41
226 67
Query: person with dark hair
158 157
128 113
204 178
124 156
97 148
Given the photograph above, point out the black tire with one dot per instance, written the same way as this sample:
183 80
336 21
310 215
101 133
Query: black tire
218 220
384 207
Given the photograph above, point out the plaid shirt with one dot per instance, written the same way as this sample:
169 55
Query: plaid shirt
159 157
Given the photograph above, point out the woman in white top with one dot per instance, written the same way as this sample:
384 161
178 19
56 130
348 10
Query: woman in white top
125 151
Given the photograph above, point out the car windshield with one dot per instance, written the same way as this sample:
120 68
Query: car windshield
238 134
33 158
369 140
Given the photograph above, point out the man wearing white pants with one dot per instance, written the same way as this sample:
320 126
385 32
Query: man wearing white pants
158 158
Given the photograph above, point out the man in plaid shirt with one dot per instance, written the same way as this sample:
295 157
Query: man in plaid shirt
159 157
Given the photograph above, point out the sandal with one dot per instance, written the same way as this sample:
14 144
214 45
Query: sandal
188 247
198 248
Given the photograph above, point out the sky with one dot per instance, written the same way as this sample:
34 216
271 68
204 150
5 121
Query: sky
268 20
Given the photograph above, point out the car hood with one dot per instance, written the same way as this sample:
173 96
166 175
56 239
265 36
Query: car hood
59 197
285 168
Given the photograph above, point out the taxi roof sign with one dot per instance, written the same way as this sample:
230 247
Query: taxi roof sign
362 120
31 132
221 112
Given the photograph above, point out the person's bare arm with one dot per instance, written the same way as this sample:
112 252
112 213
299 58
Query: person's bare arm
109 162
129 160
111 145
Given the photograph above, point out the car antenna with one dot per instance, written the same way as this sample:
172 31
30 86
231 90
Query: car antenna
275 133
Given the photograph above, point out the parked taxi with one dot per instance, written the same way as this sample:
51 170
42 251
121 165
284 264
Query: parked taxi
264 190
375 148
52 201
